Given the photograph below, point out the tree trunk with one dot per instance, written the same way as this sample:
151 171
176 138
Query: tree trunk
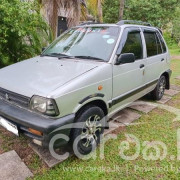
100 13
121 9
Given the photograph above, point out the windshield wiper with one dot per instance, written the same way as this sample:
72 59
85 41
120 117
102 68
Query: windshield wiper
61 56
58 55
89 57
54 54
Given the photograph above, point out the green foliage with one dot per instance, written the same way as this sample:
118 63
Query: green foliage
172 43
111 11
176 25
169 39
23 32
157 12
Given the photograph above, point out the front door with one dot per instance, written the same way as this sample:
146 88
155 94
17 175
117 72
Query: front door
128 79
62 25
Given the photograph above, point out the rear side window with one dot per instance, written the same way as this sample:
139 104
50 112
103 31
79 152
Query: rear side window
159 47
154 43
151 43
133 45
162 42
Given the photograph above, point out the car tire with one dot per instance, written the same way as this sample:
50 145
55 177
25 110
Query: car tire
158 92
87 136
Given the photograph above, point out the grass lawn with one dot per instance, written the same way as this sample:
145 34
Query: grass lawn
157 126
174 50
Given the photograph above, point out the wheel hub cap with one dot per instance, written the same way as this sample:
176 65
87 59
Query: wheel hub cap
91 130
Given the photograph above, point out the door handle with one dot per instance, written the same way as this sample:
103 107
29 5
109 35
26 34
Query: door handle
162 59
141 66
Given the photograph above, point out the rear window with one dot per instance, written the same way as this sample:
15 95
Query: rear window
159 47
162 42
154 43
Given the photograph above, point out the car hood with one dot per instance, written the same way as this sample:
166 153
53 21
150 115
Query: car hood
42 75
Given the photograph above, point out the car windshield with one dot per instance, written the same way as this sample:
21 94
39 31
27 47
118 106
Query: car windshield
95 43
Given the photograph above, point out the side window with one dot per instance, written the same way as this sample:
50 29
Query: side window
162 42
133 45
151 45
159 47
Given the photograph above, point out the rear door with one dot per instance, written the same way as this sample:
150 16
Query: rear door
128 78
156 56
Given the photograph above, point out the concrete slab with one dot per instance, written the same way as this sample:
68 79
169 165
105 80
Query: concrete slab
164 99
171 92
46 156
12 167
174 87
126 116
142 107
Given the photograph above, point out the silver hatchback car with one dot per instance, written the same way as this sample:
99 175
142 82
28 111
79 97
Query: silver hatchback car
85 76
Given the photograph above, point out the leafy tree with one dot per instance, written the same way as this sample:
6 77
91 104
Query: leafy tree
23 32
176 26
111 11
157 12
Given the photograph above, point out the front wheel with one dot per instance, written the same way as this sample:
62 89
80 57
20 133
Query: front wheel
158 92
87 135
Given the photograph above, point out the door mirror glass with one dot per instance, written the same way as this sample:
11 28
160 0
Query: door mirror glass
125 58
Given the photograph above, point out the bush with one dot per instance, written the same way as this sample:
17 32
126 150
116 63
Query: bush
171 42
111 11
23 32
176 25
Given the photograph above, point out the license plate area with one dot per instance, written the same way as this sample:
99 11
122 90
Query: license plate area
9 126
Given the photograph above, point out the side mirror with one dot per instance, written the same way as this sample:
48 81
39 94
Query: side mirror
125 58
43 49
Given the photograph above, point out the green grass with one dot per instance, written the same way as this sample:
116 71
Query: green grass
157 126
175 66
174 50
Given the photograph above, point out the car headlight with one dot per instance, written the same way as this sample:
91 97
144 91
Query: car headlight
44 105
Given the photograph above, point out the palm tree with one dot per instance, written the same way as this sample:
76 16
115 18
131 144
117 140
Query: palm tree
100 13
121 9
71 8
95 8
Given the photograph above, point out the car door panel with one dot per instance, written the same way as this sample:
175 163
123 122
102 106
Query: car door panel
156 59
127 78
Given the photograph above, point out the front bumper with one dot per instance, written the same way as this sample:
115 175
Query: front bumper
25 119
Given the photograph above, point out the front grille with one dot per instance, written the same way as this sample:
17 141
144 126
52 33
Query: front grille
15 98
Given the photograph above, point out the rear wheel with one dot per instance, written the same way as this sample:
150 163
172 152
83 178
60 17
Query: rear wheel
158 92
86 137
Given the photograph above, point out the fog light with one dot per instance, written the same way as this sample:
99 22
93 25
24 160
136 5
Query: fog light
33 131
35 141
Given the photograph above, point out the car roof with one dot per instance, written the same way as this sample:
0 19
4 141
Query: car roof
119 24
